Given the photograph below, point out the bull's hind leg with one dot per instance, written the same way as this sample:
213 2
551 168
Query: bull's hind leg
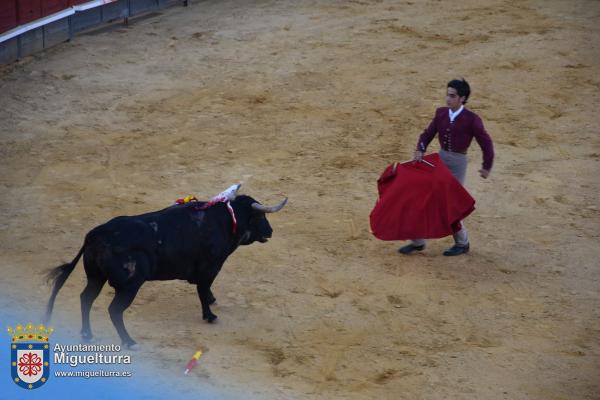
123 299
89 294
127 273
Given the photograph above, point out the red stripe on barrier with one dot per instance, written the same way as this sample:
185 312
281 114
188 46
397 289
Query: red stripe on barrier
53 6
28 10
8 15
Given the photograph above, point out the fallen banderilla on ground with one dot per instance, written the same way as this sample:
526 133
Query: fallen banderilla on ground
193 361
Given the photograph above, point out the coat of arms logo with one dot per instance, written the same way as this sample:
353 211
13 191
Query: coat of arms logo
30 355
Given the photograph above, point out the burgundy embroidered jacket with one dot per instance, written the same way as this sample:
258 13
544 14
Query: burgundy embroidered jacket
457 136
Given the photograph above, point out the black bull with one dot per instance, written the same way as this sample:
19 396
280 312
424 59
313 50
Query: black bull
179 242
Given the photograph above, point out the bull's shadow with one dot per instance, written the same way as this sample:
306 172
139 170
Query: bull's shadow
189 241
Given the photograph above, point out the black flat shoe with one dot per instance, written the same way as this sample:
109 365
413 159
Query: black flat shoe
409 248
457 250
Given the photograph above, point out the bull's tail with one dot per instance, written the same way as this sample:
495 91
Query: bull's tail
58 276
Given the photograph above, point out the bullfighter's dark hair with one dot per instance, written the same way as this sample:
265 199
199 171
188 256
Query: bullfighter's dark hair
462 88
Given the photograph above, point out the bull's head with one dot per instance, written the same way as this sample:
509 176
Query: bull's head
252 219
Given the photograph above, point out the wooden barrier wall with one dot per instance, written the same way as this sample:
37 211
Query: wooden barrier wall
29 26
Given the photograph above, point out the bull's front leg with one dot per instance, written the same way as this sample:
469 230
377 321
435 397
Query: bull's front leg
206 299
211 298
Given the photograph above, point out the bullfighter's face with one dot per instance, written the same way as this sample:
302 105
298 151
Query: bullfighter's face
453 100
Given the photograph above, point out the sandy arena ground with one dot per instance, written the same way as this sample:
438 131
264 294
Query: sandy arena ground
311 100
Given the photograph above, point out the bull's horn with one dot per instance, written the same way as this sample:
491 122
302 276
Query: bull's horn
269 209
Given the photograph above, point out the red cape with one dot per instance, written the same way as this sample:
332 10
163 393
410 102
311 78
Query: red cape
417 201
